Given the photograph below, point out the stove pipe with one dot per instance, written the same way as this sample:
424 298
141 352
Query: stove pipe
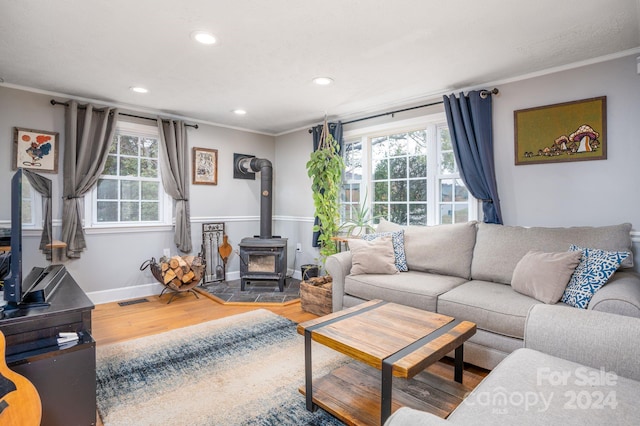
265 168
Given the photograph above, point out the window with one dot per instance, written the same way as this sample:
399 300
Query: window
29 210
407 173
129 191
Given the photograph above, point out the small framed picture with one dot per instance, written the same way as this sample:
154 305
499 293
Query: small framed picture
35 149
205 166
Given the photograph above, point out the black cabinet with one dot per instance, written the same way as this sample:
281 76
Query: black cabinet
65 376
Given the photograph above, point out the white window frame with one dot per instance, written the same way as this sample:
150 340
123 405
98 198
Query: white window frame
165 202
434 176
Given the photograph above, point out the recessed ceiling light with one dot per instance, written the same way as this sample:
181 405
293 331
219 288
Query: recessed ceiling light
239 111
323 81
203 37
138 89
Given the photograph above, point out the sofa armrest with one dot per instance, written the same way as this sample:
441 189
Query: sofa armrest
621 295
409 417
338 266
595 339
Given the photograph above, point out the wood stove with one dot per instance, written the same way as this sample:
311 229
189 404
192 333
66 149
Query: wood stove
263 257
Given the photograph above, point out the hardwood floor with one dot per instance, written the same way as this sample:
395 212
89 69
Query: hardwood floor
113 323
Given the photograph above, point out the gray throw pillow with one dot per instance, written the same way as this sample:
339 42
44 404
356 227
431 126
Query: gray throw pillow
544 276
372 257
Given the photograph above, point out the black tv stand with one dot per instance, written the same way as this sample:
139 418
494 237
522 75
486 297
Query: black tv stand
63 374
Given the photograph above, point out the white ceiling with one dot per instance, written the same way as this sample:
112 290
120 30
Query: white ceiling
381 54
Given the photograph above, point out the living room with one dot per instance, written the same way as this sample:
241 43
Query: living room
564 194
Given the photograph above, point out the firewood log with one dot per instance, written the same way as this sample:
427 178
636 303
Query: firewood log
168 276
173 262
188 277
179 272
176 282
188 260
164 266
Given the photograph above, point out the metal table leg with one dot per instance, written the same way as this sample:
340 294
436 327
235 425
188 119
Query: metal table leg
459 364
308 376
386 391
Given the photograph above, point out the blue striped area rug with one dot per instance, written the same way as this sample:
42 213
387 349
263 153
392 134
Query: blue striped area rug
240 370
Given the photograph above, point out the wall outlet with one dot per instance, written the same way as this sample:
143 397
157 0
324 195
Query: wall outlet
166 252
299 248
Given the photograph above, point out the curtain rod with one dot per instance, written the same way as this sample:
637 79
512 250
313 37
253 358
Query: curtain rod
54 102
483 95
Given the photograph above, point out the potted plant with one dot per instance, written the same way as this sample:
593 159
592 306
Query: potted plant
325 168
360 222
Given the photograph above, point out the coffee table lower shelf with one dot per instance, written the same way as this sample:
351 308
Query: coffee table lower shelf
352 394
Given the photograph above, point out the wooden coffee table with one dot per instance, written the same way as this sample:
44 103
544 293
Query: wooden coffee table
397 340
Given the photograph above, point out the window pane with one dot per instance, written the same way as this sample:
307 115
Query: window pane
447 163
129 190
446 190
398 167
398 190
398 144
128 167
107 211
398 213
129 211
381 191
380 169
107 189
149 148
462 193
113 149
111 166
150 211
150 190
128 145
462 213
445 139
353 161
417 141
148 168
418 190
380 210
418 166
417 214
379 148
445 213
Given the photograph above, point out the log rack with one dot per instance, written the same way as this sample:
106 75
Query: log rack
156 271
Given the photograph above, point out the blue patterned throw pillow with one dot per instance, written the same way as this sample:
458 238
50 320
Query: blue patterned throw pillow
397 238
595 268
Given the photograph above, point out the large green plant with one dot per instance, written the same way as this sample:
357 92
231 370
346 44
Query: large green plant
325 170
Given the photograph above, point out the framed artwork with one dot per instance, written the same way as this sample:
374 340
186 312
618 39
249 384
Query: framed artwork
35 149
571 131
205 166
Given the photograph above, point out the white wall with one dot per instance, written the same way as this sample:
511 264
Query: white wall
109 267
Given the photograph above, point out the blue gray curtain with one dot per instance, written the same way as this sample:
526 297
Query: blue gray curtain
336 131
469 118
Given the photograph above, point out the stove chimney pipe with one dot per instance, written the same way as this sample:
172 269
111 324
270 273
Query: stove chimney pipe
262 165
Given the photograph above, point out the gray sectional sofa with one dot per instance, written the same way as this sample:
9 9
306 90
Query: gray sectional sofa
465 271
582 372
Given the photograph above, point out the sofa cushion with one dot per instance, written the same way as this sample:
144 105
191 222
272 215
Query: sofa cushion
440 249
372 257
417 289
493 307
397 238
595 269
499 248
544 276
532 388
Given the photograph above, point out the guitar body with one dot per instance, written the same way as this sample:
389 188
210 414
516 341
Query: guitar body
19 400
